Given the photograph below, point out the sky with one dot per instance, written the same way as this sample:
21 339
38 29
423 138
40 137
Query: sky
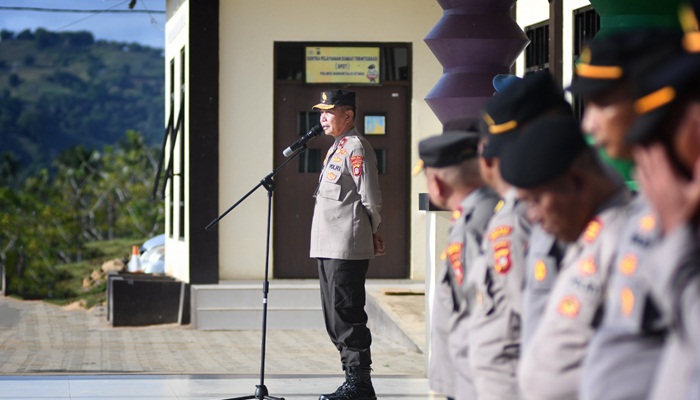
141 27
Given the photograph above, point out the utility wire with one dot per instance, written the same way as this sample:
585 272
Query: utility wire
62 10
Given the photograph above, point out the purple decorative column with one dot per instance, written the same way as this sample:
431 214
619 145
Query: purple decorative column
474 41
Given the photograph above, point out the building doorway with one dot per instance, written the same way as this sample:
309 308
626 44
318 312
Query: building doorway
296 183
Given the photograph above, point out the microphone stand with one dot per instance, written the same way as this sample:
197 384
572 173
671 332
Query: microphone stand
269 184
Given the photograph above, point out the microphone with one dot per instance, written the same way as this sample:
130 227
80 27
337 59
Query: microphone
315 131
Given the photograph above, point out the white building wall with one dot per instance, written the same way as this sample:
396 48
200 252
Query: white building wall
176 38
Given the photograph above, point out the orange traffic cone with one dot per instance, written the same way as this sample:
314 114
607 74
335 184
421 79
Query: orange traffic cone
135 262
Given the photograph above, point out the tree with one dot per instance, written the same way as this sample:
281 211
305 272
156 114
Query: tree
6 35
90 195
46 39
14 80
25 35
9 169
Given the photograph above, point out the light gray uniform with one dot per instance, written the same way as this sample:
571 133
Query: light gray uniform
550 366
494 338
674 279
541 269
449 372
624 352
348 201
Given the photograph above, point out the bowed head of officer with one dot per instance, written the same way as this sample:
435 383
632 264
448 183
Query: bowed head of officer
558 175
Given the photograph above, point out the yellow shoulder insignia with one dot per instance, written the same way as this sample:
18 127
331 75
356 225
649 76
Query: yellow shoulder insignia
499 205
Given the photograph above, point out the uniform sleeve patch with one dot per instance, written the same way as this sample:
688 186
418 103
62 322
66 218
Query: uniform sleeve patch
500 231
628 265
357 162
501 257
587 267
569 306
540 271
626 301
454 254
590 234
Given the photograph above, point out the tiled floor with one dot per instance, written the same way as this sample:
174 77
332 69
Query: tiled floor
172 387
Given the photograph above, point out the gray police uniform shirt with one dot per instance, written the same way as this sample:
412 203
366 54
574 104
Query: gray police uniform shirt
448 369
541 269
674 279
348 201
625 350
494 337
550 366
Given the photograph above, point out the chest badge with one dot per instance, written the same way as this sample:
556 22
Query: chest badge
569 306
540 271
628 265
626 301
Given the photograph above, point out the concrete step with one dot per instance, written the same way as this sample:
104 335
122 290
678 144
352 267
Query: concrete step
395 308
239 305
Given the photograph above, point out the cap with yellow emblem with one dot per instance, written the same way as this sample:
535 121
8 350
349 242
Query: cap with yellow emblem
518 103
667 82
606 62
334 98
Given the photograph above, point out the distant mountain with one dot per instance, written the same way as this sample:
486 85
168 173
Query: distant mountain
58 90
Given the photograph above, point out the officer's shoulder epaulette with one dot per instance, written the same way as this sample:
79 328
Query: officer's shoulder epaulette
350 142
499 205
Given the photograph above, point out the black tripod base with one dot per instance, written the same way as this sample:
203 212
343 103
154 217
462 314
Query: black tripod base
260 393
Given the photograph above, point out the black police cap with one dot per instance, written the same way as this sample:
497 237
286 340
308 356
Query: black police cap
665 83
544 151
334 98
519 102
448 149
607 62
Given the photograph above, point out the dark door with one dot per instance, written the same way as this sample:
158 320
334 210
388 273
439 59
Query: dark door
296 183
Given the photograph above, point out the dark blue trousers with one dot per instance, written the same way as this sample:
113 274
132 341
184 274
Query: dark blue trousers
343 299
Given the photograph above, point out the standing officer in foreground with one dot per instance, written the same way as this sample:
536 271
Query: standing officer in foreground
668 128
627 346
344 238
567 190
451 168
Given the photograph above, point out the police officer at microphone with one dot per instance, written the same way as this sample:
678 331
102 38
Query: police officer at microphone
344 238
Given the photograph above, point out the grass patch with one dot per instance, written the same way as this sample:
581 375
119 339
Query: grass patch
85 282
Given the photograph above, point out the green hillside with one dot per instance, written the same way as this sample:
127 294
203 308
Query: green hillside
58 90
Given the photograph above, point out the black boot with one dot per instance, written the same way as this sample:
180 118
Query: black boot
358 386
341 388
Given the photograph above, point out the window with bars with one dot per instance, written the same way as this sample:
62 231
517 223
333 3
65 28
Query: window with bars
310 161
586 25
537 52
172 110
